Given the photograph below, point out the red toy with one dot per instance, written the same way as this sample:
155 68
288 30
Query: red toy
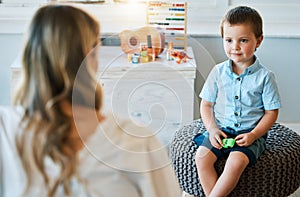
180 56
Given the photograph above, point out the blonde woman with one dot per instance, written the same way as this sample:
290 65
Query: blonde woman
54 140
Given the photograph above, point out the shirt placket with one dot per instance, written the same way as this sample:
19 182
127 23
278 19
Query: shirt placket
237 102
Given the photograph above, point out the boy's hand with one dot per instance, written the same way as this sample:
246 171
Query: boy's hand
245 139
215 138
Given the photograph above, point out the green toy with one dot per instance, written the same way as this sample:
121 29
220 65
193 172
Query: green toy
228 142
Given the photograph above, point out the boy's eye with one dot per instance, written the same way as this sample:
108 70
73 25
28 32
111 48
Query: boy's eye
244 40
228 40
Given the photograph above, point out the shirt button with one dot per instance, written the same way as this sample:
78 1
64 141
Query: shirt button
236 97
239 79
236 125
236 113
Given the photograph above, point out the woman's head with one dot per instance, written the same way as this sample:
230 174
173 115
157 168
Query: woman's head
59 39
57 70
244 15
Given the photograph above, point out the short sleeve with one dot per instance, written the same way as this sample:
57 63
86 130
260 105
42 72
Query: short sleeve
210 89
270 96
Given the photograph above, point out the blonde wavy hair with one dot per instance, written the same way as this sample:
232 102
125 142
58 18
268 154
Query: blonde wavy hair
59 39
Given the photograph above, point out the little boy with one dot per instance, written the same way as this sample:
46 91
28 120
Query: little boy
240 100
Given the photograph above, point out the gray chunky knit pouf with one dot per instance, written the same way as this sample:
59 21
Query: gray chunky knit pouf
275 174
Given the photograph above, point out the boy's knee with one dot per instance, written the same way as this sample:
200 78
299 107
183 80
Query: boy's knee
204 157
237 160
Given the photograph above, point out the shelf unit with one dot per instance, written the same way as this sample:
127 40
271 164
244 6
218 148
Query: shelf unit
171 18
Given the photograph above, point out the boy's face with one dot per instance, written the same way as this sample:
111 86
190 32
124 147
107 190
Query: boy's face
240 43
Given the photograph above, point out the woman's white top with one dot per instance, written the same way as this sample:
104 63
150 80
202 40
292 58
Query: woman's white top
119 160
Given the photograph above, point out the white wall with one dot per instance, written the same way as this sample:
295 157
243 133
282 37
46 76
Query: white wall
281 17
10 46
281 55
279 52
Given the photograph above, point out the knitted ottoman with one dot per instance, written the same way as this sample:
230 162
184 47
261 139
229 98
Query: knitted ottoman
276 173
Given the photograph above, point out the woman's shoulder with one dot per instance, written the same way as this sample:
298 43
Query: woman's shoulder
127 158
119 139
10 118
125 129
9 110
10 115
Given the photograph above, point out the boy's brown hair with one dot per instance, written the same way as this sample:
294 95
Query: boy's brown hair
244 15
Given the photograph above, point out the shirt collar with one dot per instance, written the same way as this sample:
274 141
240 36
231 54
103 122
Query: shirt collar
248 71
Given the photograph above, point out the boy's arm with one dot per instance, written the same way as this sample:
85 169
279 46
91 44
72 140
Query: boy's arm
207 116
263 126
265 123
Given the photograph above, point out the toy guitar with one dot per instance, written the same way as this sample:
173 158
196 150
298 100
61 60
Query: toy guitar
131 40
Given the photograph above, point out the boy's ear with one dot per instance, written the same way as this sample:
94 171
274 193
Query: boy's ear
259 41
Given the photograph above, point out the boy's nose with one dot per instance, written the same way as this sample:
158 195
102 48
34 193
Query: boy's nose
236 46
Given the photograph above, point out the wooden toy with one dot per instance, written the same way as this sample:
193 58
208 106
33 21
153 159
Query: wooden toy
131 40
171 18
